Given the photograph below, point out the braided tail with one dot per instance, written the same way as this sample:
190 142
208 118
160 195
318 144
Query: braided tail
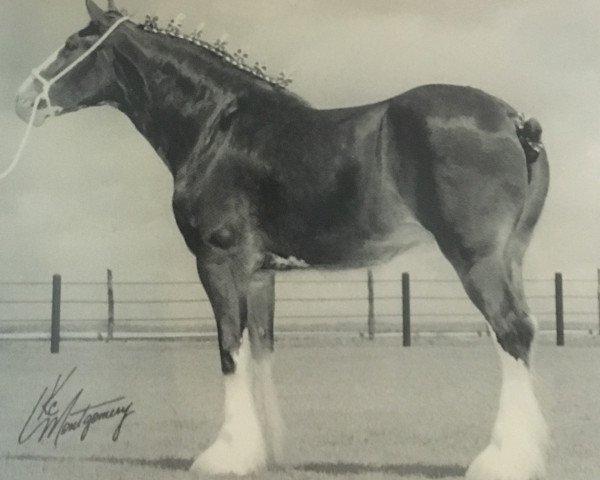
529 133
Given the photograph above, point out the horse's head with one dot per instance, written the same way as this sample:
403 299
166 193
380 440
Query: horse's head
78 75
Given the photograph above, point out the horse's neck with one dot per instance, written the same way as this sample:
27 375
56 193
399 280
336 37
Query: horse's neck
172 98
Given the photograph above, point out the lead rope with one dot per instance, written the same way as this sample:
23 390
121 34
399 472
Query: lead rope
46 84
17 157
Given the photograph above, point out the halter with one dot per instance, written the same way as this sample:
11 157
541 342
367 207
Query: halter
47 83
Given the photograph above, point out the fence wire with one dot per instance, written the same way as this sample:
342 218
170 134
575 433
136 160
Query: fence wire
310 304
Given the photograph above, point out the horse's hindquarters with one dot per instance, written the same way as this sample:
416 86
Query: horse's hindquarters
458 162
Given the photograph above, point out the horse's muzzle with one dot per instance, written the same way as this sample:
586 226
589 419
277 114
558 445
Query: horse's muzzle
26 96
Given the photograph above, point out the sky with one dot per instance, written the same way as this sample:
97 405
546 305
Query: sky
90 193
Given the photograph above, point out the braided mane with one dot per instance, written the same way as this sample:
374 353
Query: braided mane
238 59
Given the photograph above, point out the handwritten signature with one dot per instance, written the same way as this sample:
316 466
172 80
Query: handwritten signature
51 420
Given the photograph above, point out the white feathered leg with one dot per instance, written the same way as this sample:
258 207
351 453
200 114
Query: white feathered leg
240 447
519 441
269 411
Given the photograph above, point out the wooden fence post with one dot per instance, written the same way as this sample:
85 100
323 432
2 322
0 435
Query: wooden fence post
560 320
111 306
55 326
371 319
406 310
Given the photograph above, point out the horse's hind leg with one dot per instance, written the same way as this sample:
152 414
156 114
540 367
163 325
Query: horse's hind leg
261 313
519 437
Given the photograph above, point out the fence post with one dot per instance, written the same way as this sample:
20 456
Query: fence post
371 319
560 321
406 310
55 326
111 306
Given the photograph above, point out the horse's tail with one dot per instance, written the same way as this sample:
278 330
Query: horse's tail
529 133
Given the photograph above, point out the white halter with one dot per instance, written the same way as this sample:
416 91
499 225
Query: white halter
47 83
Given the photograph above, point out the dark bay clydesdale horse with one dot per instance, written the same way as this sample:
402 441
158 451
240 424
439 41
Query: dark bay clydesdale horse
262 180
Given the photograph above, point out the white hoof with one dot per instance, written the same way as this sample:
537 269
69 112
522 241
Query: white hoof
228 456
495 464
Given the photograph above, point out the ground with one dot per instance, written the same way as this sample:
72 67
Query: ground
354 409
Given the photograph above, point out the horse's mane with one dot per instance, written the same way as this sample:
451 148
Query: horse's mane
238 59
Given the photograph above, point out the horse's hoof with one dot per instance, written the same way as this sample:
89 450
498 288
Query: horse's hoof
227 457
495 464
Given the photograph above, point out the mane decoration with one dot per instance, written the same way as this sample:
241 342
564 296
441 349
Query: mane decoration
238 59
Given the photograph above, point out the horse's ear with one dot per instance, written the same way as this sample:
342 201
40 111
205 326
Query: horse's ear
96 13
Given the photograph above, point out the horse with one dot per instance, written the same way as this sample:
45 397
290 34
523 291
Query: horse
265 182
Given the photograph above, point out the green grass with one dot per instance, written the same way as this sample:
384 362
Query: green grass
354 409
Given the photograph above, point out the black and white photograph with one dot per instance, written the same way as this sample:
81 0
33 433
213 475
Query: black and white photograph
300 239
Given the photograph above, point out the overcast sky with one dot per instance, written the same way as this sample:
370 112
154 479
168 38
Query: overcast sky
91 194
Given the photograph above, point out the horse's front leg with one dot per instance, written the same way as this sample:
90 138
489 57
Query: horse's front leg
240 446
261 313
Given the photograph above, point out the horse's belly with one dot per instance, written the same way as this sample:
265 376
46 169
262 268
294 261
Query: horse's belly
347 251
381 249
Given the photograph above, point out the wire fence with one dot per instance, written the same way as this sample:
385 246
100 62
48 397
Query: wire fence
317 303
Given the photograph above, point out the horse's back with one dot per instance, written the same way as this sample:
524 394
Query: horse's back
455 101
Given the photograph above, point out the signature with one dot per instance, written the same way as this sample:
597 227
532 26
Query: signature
51 420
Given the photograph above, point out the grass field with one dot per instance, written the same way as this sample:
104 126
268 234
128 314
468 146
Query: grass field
354 409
